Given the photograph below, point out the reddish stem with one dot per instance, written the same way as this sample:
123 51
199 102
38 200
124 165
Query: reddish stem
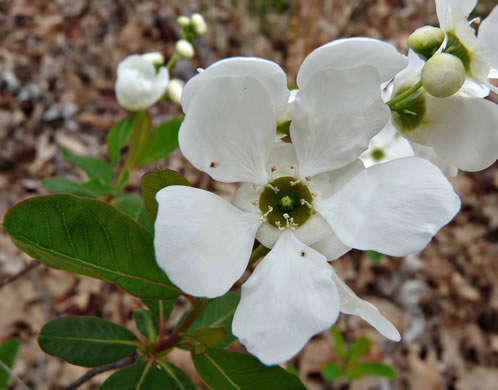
172 339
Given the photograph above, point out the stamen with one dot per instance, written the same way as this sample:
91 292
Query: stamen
213 164
308 178
270 209
476 20
255 187
409 112
305 202
277 224
292 167
276 189
313 212
293 183
274 168
314 194
254 202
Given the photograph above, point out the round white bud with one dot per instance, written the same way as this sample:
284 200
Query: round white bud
155 58
198 24
425 41
443 75
174 90
183 21
185 48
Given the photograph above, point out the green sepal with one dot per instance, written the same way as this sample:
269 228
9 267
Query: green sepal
283 129
455 46
409 113
117 138
87 341
89 237
153 181
227 370
163 141
8 353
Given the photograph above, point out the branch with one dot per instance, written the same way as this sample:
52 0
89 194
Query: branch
98 370
24 271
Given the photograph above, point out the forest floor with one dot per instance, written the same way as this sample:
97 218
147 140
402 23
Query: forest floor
58 64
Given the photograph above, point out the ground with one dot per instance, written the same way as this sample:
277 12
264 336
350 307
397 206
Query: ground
58 64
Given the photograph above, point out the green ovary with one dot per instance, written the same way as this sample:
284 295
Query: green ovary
286 202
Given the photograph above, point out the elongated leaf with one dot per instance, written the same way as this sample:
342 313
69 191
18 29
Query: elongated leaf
143 376
163 141
338 342
153 181
139 139
371 368
160 307
8 353
96 186
221 369
66 186
92 166
86 341
220 311
358 348
133 205
89 237
117 138
146 323
331 371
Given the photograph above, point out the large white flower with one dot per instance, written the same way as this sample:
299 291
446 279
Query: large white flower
139 85
310 201
453 132
479 54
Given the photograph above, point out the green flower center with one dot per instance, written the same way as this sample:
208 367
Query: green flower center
455 46
286 203
378 154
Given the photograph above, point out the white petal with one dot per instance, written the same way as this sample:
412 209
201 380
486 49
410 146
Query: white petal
202 242
462 131
229 130
247 198
282 161
393 208
313 230
443 8
351 304
268 73
471 88
488 37
335 116
289 298
331 247
428 153
350 53
138 86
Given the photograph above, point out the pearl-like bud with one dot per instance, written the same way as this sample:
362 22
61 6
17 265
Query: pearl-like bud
443 75
174 90
185 48
183 21
425 41
155 58
198 24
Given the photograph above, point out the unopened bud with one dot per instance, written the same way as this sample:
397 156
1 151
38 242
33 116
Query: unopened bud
175 89
443 75
198 24
183 21
425 41
155 58
184 48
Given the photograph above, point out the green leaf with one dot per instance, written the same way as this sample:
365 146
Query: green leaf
144 376
95 186
207 337
86 341
146 323
358 348
370 368
117 138
374 256
8 354
153 181
163 141
159 307
338 342
227 370
89 237
93 167
133 205
219 311
66 186
139 139
331 371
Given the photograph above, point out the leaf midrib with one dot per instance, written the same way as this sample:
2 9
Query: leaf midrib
225 375
87 339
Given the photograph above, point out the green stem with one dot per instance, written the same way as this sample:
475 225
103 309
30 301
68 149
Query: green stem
172 60
392 103
258 253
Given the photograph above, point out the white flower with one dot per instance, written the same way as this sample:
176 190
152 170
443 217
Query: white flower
478 54
309 201
184 48
388 145
138 85
453 132
175 88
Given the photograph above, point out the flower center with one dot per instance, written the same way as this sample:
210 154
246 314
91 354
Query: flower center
286 203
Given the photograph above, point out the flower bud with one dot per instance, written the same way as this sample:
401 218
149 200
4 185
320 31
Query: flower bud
410 112
183 21
198 24
184 48
175 89
155 58
443 75
425 41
